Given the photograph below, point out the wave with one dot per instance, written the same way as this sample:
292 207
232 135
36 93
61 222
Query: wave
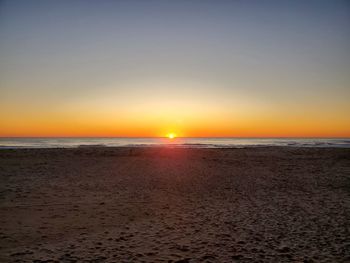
91 145
14 143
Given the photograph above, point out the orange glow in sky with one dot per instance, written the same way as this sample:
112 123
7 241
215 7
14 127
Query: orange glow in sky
130 69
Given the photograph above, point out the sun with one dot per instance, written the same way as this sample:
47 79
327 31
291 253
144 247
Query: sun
171 135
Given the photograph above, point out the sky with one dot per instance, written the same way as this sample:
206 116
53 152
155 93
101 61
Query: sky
194 68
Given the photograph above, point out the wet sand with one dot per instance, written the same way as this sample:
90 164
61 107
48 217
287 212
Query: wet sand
175 205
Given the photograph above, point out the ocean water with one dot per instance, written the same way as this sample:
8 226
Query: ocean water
10 143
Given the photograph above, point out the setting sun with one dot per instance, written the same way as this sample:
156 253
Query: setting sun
171 135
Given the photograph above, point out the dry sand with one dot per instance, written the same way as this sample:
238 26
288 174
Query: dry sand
175 205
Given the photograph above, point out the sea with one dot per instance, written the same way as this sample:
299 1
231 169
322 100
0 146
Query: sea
12 143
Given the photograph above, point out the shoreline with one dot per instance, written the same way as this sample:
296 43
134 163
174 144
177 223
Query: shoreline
218 143
175 146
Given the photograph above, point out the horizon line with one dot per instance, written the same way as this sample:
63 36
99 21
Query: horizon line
179 137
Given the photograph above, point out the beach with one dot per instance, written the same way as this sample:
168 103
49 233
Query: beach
165 204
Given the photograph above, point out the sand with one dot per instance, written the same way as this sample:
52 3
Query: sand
175 205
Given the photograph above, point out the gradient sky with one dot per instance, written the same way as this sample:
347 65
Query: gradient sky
196 68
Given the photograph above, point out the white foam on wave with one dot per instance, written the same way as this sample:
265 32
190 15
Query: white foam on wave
13 143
